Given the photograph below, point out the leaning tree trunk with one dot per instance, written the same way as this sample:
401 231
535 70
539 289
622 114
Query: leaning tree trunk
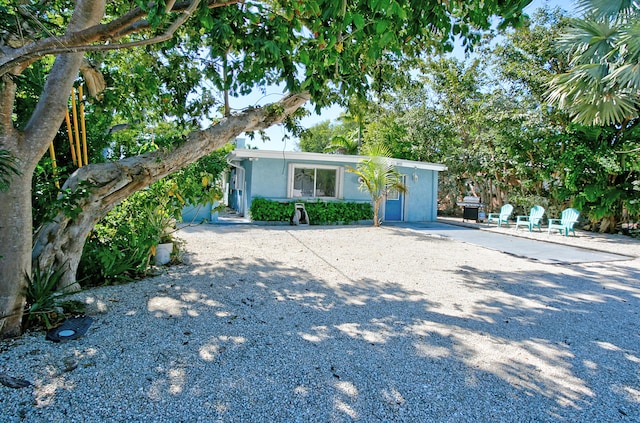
60 242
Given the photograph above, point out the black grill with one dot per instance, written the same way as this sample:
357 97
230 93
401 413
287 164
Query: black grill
470 208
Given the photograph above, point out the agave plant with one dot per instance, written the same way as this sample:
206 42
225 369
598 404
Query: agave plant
44 302
378 176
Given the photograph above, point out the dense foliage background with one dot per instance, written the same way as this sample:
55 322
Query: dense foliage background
488 118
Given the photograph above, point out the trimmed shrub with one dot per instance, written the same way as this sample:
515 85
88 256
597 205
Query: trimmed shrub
320 212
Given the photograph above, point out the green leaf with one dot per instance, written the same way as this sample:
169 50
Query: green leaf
358 20
207 22
304 57
386 39
381 26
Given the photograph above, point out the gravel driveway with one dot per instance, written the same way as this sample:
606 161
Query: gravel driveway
339 324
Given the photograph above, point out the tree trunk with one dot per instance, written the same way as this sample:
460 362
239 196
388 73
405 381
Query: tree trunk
15 252
376 211
28 146
60 242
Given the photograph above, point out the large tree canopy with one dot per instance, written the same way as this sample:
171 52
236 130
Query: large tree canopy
168 58
488 120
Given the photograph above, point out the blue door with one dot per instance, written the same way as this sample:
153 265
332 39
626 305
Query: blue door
394 205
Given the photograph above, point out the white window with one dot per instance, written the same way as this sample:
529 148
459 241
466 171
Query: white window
315 181
393 194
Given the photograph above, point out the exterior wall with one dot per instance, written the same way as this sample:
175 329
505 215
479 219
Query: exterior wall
268 178
351 190
422 197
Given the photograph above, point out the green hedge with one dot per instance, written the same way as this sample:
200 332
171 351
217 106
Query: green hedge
320 212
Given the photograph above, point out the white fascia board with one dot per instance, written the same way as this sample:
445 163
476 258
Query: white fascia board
420 165
243 154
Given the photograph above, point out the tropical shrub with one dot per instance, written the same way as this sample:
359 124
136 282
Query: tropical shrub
320 212
121 245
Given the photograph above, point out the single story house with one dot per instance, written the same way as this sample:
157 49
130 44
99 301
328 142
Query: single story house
290 176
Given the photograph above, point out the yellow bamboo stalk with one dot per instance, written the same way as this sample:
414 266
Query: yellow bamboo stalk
82 126
70 132
76 132
54 165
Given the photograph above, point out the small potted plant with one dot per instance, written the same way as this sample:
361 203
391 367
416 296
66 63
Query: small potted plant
164 227
197 186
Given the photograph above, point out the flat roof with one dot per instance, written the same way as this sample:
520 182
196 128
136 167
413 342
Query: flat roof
243 153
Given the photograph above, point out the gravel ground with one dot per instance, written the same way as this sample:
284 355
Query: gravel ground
339 324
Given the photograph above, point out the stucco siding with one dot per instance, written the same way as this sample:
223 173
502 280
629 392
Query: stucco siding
268 177
351 190
421 199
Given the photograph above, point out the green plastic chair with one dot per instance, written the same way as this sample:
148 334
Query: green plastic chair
502 217
534 218
568 218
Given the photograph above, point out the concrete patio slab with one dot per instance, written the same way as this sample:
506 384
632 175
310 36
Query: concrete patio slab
539 250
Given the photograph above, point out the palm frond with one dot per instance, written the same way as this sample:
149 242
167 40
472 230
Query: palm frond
377 172
343 145
589 41
376 150
607 110
630 39
603 86
582 83
625 77
605 8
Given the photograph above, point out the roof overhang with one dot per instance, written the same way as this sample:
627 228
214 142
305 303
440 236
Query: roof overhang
240 154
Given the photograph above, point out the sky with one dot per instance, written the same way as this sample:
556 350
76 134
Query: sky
277 134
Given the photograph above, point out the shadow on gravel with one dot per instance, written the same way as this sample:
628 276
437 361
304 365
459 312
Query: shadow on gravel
249 339
550 347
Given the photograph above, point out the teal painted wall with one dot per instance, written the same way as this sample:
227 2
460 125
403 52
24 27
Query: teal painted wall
267 178
422 199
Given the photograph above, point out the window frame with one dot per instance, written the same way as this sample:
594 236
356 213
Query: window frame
339 179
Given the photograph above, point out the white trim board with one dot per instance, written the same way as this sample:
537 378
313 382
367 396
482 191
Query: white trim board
242 154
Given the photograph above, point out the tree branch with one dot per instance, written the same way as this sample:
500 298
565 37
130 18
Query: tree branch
52 103
60 241
102 34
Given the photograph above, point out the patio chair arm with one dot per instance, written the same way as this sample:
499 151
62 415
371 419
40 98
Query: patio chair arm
551 221
520 218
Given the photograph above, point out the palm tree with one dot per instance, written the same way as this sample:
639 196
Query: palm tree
603 86
343 145
378 176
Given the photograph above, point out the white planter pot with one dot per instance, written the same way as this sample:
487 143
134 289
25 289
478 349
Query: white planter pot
163 253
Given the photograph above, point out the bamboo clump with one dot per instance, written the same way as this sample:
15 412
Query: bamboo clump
76 129
54 165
